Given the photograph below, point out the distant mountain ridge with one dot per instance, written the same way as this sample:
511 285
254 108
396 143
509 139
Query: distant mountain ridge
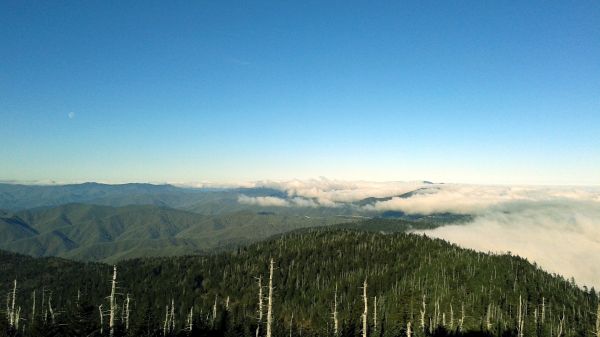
100 222
106 233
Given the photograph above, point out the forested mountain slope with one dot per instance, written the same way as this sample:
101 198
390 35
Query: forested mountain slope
437 287
104 233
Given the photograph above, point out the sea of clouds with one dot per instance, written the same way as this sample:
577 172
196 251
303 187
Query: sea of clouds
557 227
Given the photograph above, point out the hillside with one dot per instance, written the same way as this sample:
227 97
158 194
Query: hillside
415 279
104 233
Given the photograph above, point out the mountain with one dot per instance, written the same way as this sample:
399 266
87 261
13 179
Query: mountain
105 233
437 287
207 201
19 197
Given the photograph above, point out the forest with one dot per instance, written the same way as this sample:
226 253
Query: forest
311 282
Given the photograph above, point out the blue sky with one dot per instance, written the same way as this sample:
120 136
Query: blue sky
455 91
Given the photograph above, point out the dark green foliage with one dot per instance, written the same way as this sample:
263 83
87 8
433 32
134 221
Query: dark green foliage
400 269
109 234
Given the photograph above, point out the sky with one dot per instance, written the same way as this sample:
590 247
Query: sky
504 92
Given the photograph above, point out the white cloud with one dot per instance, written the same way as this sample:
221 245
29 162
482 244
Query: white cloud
476 199
71 115
562 236
330 193
263 201
277 202
557 227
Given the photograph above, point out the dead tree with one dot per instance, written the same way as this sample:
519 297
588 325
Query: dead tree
543 316
190 320
50 309
335 314
127 313
11 312
520 319
101 319
172 327
375 313
260 305
423 308
166 322
270 301
33 309
214 312
113 303
365 314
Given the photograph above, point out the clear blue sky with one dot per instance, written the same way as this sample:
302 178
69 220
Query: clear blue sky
456 91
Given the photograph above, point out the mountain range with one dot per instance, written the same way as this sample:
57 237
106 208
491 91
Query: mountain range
100 222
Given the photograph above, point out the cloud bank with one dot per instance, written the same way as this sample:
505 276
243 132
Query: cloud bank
563 237
557 227
474 199
276 202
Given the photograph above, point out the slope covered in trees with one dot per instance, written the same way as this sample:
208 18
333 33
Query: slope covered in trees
104 233
319 280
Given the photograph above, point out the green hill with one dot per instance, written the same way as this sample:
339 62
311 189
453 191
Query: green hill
104 233
465 293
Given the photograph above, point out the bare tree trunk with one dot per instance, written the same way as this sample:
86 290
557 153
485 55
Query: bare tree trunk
375 313
44 313
270 302
113 303
11 322
191 320
214 313
543 309
260 306
408 330
166 323
172 327
423 307
335 317
127 313
33 309
520 318
50 309
561 324
17 317
101 319
366 310
451 317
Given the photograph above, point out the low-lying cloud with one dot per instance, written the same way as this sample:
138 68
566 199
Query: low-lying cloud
476 199
561 236
557 227
263 201
276 201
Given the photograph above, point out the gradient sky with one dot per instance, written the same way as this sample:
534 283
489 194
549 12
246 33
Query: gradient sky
181 91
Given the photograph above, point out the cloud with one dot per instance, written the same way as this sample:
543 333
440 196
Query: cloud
557 227
277 202
562 236
478 199
333 193
71 115
263 201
